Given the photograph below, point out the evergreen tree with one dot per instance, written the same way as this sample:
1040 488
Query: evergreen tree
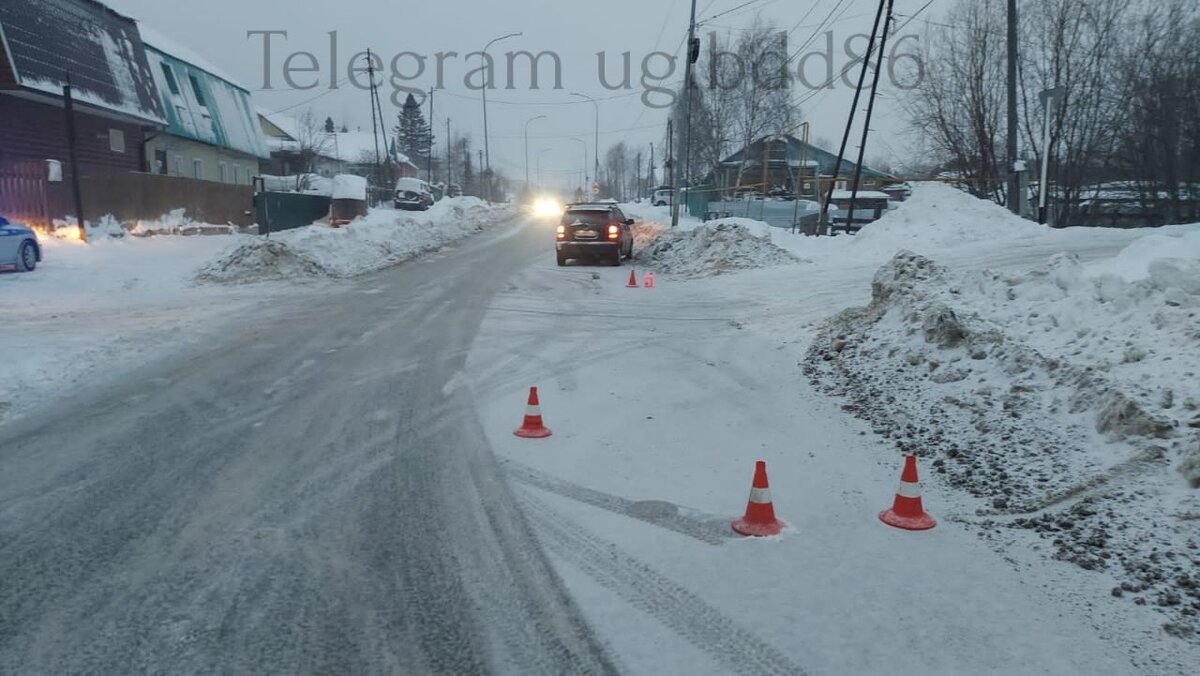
344 128
414 134
329 125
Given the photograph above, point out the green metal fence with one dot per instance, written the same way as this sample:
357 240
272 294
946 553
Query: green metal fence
288 210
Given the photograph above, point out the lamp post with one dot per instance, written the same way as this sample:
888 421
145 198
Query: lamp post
585 162
596 157
541 152
487 152
539 117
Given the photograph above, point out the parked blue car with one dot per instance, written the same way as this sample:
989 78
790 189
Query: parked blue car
19 247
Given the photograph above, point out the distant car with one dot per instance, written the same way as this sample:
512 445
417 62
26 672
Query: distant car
662 197
781 194
413 194
454 190
594 231
19 248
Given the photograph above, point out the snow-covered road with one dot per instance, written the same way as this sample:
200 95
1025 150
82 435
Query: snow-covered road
312 494
661 400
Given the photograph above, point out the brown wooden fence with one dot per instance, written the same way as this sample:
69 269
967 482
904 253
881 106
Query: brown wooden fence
132 196
23 193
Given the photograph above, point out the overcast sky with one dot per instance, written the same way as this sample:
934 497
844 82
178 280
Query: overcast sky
575 31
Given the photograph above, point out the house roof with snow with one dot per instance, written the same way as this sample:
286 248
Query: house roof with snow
201 104
788 151
43 42
284 134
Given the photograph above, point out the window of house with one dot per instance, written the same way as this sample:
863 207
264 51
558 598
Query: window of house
197 168
116 140
237 175
172 84
841 185
196 90
160 162
223 171
177 169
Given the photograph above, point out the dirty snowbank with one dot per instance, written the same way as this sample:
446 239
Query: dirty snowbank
1060 400
711 249
384 237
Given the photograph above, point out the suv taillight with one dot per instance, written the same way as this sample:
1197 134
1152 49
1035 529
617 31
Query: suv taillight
562 232
614 232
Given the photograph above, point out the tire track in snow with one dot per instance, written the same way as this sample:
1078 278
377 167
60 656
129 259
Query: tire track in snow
653 593
707 528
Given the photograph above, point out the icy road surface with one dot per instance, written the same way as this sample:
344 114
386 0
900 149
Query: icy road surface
313 495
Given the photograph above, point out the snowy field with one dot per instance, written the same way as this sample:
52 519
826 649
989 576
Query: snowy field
661 400
93 311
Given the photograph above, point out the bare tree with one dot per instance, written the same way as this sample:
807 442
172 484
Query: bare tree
1075 47
1159 134
312 141
957 104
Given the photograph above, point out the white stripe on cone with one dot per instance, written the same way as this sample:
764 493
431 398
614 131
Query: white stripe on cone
533 411
909 490
761 496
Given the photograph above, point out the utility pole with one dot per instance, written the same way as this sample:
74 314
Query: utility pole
429 155
482 177
693 54
669 166
374 122
73 157
1014 204
862 148
823 223
650 178
449 154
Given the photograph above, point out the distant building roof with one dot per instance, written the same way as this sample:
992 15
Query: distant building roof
786 150
47 41
351 147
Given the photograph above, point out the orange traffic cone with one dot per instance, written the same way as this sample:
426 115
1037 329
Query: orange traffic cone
533 428
648 279
760 518
907 512
632 280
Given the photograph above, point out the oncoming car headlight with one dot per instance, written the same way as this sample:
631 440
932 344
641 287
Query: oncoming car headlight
547 207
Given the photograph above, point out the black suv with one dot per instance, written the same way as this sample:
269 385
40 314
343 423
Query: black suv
594 232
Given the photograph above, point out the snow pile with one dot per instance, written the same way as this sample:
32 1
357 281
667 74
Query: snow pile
384 237
1060 399
711 249
938 216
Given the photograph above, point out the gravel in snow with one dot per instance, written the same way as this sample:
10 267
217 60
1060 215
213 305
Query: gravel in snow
1059 399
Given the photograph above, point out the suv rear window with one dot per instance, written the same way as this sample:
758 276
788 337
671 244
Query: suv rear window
597 218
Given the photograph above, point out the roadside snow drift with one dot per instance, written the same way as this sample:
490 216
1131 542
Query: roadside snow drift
711 249
383 238
1062 397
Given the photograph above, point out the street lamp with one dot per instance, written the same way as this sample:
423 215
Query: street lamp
596 158
585 174
487 153
541 152
539 117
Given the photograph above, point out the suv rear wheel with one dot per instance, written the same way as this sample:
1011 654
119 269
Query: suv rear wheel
562 260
